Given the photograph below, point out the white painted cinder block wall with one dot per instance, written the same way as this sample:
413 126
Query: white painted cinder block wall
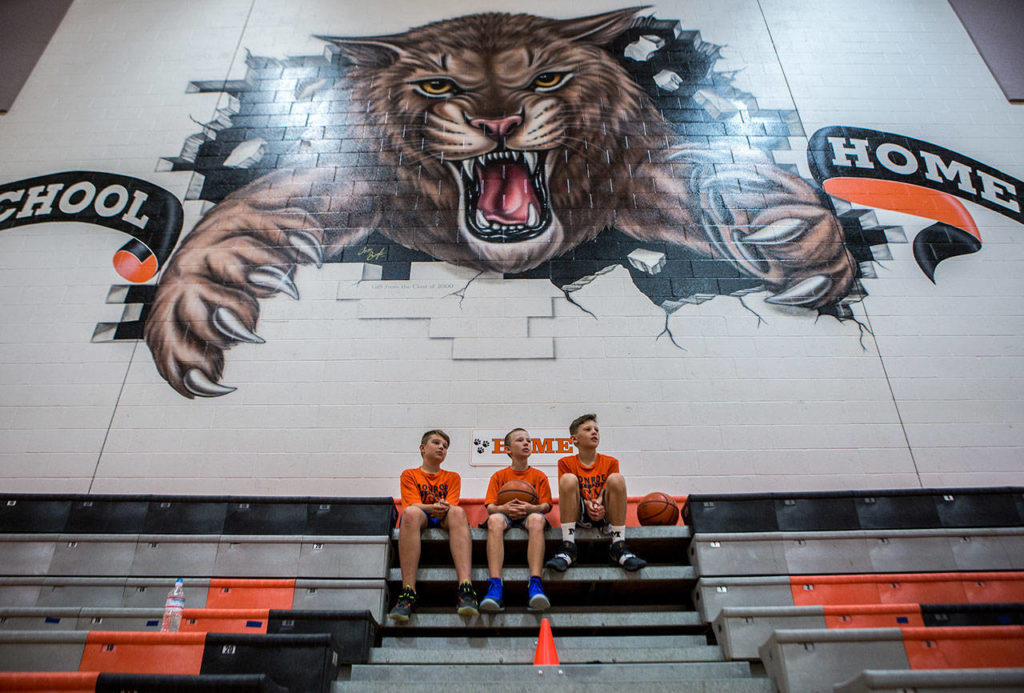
334 402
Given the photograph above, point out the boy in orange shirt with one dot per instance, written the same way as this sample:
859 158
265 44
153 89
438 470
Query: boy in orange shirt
591 493
430 498
516 513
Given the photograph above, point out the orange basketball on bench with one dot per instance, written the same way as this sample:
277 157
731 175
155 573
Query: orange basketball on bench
657 509
517 489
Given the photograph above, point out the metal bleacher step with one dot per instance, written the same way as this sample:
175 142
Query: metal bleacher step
499 642
609 651
499 674
638 618
581 573
550 680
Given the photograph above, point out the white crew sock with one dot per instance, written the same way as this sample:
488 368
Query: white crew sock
617 532
569 532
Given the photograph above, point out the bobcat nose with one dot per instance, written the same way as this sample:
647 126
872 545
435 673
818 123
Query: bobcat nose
499 127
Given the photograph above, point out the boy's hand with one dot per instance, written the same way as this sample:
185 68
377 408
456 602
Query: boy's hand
440 509
516 509
595 509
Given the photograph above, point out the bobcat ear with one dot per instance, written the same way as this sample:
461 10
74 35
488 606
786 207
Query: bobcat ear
371 51
600 28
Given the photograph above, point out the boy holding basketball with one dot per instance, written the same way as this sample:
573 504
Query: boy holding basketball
516 512
591 493
430 498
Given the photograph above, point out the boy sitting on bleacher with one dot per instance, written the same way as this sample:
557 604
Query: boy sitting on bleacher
430 498
516 513
591 493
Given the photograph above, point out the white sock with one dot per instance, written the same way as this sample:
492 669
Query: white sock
569 532
618 533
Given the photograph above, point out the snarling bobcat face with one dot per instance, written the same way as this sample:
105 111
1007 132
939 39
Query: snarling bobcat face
509 119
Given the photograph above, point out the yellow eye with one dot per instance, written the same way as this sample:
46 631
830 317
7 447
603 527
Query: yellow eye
435 88
549 81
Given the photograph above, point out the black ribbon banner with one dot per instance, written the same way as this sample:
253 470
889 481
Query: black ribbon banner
151 215
889 171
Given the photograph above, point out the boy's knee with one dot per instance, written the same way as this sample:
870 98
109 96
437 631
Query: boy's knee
496 523
535 521
456 514
616 481
568 483
413 517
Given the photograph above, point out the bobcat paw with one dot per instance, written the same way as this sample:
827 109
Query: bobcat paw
772 225
207 299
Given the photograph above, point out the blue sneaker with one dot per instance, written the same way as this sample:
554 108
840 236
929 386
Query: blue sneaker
492 602
538 600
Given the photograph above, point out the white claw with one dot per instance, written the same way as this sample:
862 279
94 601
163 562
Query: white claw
804 293
481 220
307 244
531 161
231 326
534 217
274 278
200 385
781 231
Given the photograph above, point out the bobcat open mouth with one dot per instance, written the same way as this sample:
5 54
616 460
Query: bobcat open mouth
505 195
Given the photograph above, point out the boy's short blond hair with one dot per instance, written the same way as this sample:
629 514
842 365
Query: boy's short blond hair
435 432
508 436
579 421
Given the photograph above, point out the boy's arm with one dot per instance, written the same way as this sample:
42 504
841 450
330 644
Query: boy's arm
454 489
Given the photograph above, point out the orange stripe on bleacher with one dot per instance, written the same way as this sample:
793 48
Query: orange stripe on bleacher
69 682
224 620
143 653
965 647
250 594
873 616
906 588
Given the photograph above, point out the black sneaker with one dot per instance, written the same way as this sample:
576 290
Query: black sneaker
620 555
403 607
466 603
565 557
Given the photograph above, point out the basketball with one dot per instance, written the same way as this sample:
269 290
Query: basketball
657 509
516 489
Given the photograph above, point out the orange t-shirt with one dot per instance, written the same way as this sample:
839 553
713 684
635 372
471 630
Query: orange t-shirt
592 478
420 487
531 475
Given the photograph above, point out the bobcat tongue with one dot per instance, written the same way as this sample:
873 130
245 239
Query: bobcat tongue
506 193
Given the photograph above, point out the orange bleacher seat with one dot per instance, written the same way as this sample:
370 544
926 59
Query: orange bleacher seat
71 682
904 588
143 653
250 594
225 620
965 647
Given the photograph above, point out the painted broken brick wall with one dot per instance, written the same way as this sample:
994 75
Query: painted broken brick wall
252 248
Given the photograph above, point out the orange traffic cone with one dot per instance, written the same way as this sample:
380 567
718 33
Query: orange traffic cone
546 654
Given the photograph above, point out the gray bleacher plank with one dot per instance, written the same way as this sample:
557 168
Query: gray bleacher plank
881 551
343 557
622 652
657 573
174 554
631 618
41 650
740 631
141 593
675 533
550 681
711 594
27 554
93 554
501 673
944 681
814 661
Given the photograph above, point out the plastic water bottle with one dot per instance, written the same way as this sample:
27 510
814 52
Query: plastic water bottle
173 607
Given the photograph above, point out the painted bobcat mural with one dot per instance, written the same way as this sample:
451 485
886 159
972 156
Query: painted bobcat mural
503 141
